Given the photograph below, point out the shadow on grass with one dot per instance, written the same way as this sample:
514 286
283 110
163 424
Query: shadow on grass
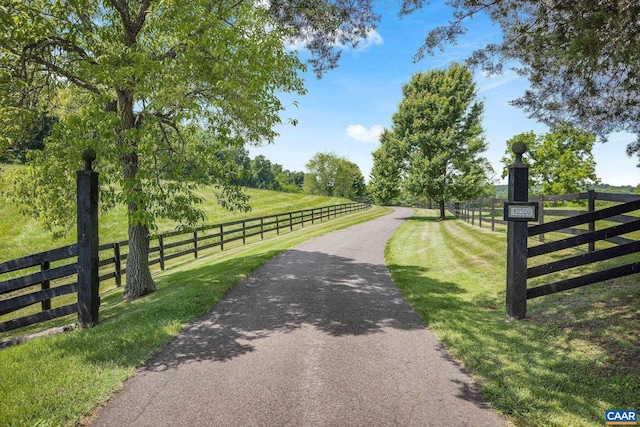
606 313
422 218
527 368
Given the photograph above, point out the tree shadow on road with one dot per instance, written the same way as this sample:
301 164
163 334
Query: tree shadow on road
333 294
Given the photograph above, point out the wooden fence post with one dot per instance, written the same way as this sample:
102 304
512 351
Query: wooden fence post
195 244
161 250
88 279
473 212
261 228
517 238
46 284
244 232
592 224
118 264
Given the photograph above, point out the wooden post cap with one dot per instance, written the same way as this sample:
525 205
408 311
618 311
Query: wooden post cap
88 156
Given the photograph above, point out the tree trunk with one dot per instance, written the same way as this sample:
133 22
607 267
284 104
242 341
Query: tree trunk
139 281
442 213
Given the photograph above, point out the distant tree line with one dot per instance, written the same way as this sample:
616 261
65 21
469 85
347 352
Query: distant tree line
260 172
328 174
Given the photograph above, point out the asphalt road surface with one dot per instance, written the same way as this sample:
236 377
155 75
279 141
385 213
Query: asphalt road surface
318 336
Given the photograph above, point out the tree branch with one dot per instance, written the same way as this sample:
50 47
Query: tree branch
53 68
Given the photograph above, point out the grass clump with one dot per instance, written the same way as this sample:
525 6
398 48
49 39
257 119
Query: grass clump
574 356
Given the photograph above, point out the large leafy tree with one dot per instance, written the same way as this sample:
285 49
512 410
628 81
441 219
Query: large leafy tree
560 161
438 126
332 175
148 75
582 58
262 174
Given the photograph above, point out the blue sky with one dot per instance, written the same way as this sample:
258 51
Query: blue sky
345 111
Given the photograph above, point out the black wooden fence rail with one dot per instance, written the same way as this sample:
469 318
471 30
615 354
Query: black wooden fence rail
610 224
35 274
39 285
489 212
484 212
625 246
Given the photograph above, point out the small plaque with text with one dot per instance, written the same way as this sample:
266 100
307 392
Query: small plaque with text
520 211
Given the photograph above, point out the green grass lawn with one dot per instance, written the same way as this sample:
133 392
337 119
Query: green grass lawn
59 380
576 355
21 236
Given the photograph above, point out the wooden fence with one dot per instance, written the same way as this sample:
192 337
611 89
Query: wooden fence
490 212
621 246
483 212
43 277
605 219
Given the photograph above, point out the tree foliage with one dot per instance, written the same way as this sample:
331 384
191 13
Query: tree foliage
384 186
560 161
150 76
331 175
581 57
31 139
259 172
439 138
323 25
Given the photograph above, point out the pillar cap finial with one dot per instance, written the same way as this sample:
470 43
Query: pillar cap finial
519 148
88 156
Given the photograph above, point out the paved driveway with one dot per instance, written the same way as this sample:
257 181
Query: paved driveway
318 336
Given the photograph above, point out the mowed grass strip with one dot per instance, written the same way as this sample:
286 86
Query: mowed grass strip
59 380
22 236
576 354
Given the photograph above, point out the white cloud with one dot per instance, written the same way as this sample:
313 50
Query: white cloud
361 133
373 39
492 82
